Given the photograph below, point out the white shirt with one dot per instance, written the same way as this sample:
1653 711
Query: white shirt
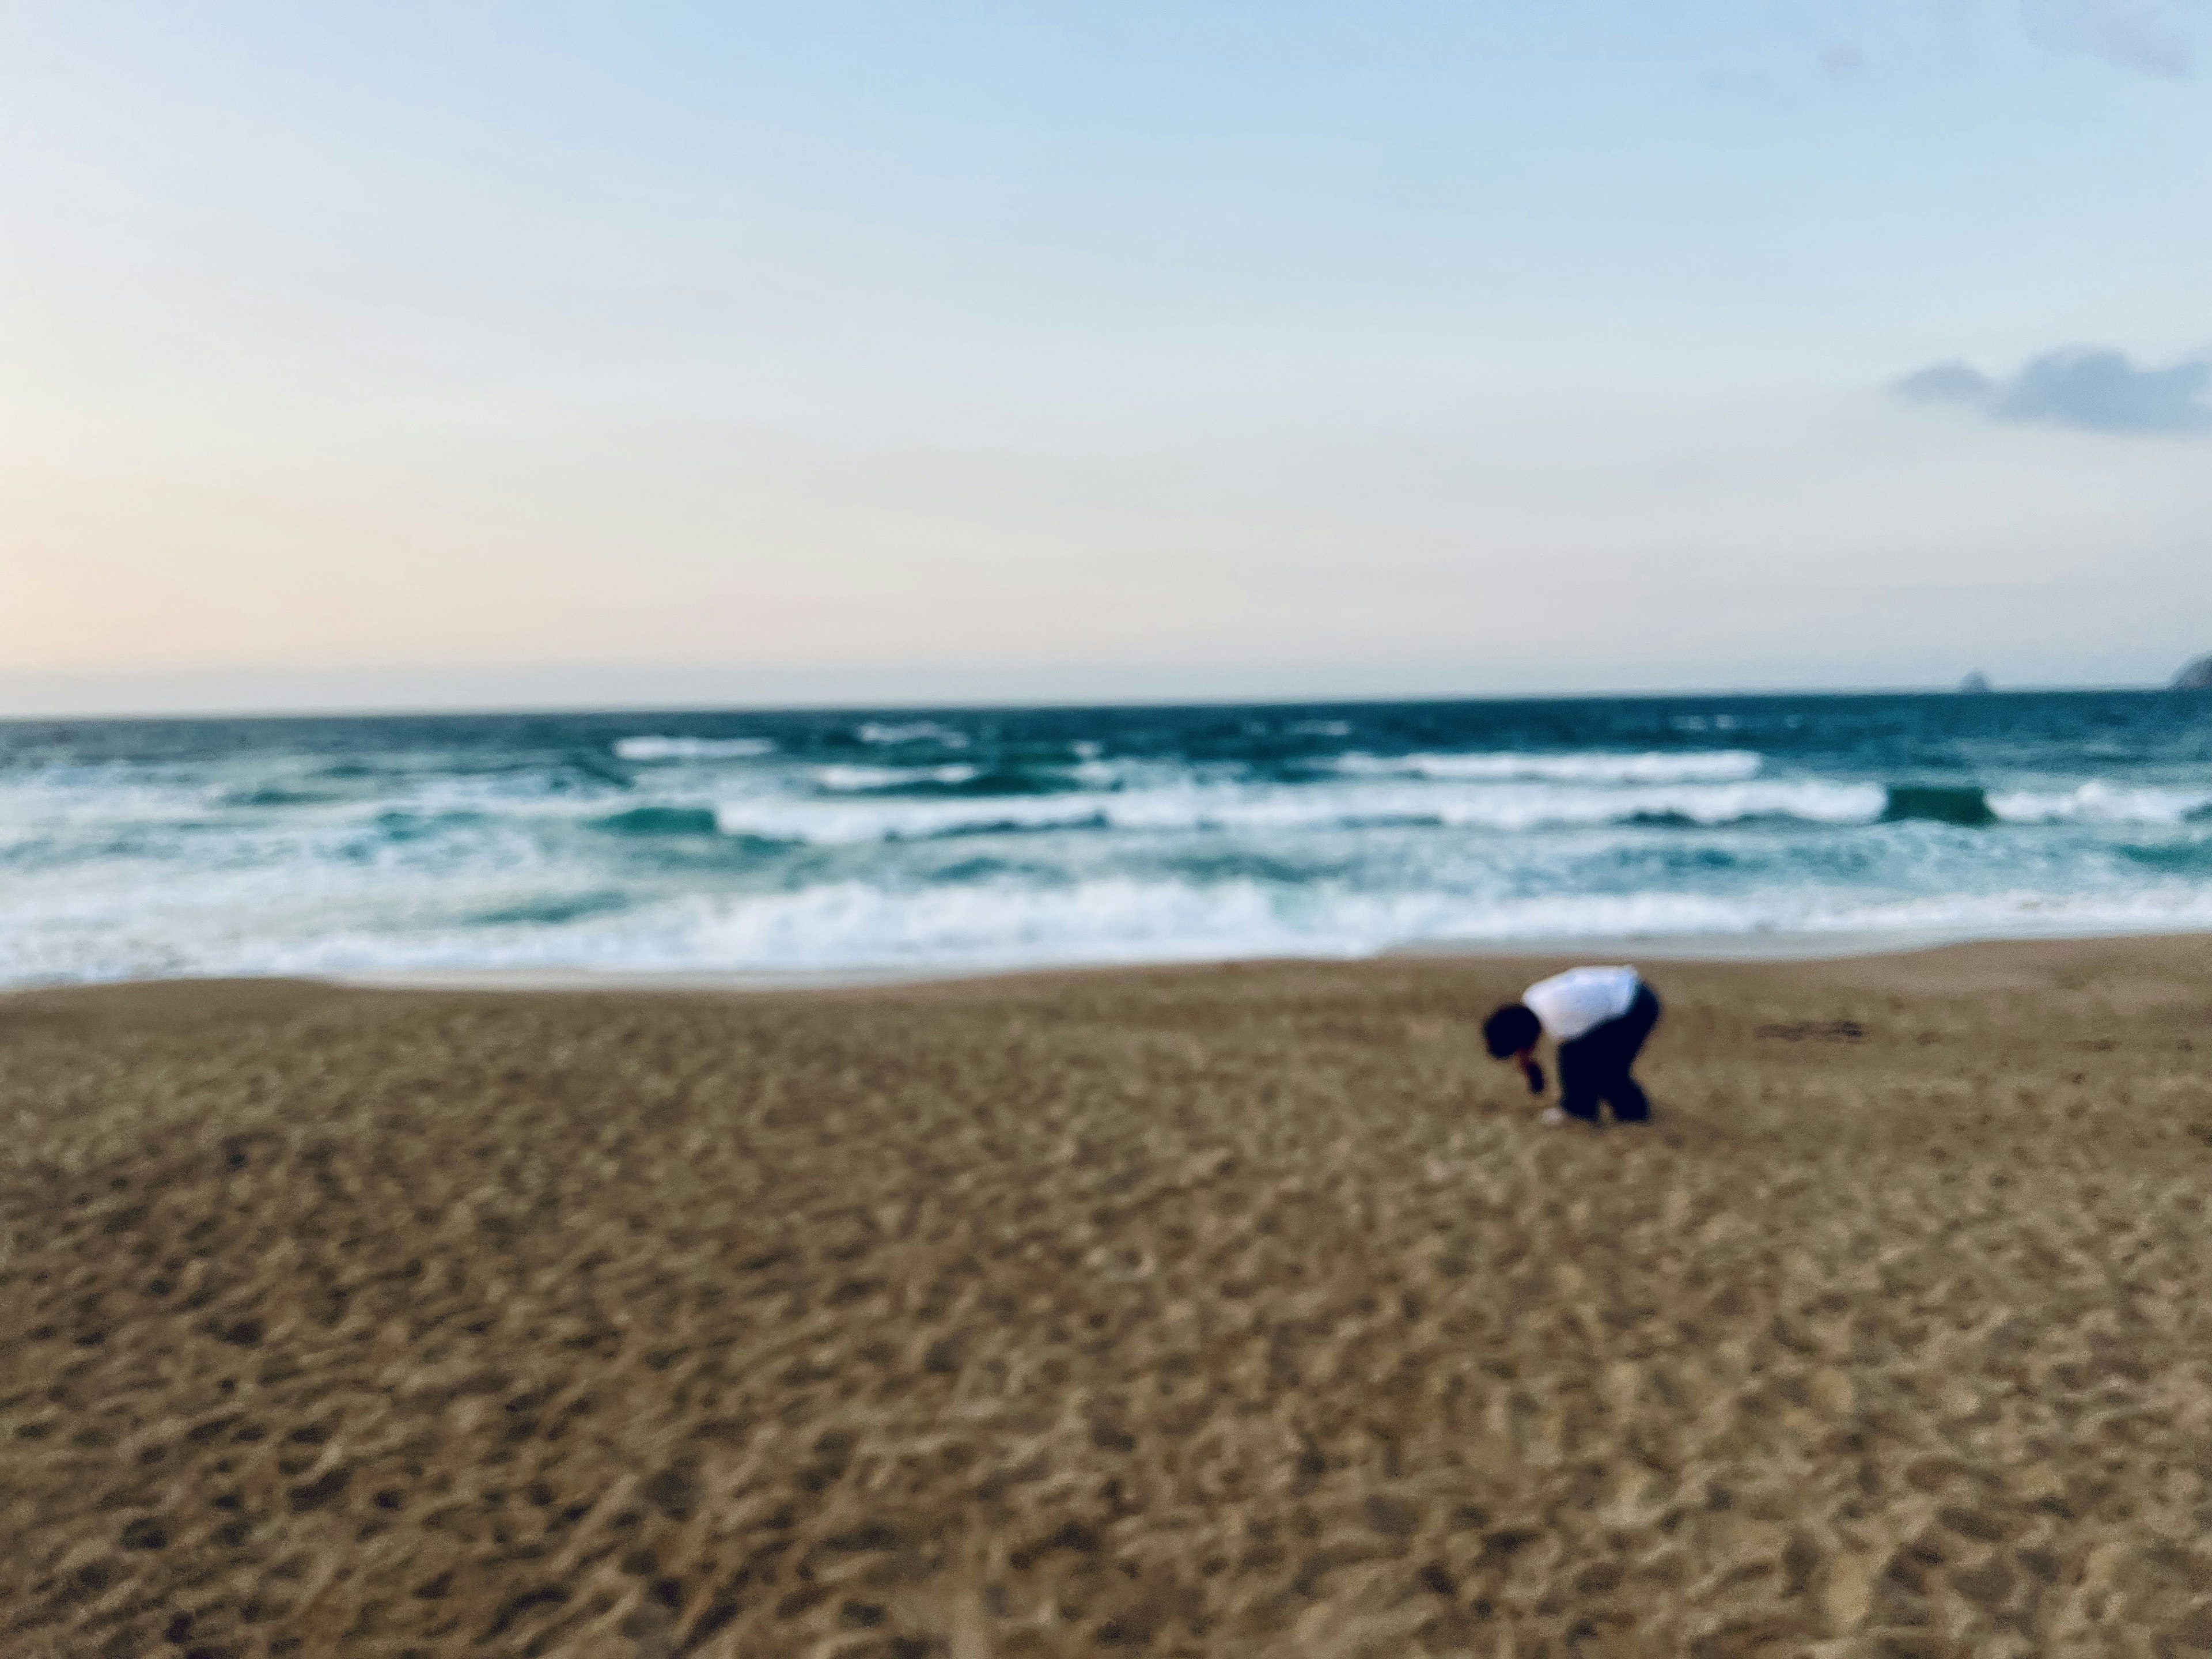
1575 1003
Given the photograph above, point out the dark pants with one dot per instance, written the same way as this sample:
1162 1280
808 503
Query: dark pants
1595 1066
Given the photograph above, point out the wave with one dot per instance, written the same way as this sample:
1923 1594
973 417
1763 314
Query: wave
1963 805
925 782
1200 807
1070 837
868 803
1006 826
854 924
895 733
2193 856
403 826
873 780
553 911
272 795
2097 801
1123 919
1711 766
650 748
2101 802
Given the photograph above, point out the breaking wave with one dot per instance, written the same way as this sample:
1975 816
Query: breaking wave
1196 807
898 733
807 842
1957 804
1714 766
682 749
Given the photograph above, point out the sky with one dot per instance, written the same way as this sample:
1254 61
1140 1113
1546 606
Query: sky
446 355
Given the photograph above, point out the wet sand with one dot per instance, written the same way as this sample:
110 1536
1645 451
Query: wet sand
1240 1310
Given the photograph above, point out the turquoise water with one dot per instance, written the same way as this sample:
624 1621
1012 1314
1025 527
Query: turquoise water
783 842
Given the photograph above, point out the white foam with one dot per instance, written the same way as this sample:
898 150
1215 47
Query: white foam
1198 807
854 924
2099 802
650 748
851 778
1711 766
903 732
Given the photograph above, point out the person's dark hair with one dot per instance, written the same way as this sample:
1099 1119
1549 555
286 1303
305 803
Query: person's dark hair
1510 1030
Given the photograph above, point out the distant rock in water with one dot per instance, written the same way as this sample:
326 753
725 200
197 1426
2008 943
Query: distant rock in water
1975 683
2198 677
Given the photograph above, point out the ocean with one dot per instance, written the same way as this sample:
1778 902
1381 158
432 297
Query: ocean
896 841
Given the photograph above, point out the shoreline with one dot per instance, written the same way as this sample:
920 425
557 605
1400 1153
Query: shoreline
1777 949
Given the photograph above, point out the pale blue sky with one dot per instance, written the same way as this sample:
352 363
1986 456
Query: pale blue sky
379 355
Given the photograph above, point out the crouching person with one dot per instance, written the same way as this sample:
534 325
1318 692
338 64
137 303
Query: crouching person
1599 1018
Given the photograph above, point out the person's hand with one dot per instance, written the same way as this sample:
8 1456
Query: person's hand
1533 1072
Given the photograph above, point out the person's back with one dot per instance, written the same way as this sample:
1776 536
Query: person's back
1572 1004
1599 1018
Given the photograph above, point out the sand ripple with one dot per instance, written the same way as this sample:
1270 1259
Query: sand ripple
1217 1311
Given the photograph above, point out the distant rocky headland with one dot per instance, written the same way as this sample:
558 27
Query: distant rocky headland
2198 677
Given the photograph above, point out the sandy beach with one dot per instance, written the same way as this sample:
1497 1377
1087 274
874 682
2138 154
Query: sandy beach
1226 1311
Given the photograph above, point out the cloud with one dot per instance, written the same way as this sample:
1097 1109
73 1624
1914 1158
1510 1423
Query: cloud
1948 383
2136 34
2092 389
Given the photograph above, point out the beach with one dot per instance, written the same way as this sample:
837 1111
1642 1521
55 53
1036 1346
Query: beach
1231 1309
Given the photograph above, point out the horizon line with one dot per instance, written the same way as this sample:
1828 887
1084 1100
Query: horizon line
525 711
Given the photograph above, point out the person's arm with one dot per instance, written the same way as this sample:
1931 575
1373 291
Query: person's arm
1526 1059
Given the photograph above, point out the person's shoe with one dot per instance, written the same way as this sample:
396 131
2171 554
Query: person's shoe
1554 1115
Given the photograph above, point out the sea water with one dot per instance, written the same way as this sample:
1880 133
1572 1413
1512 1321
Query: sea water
958 839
